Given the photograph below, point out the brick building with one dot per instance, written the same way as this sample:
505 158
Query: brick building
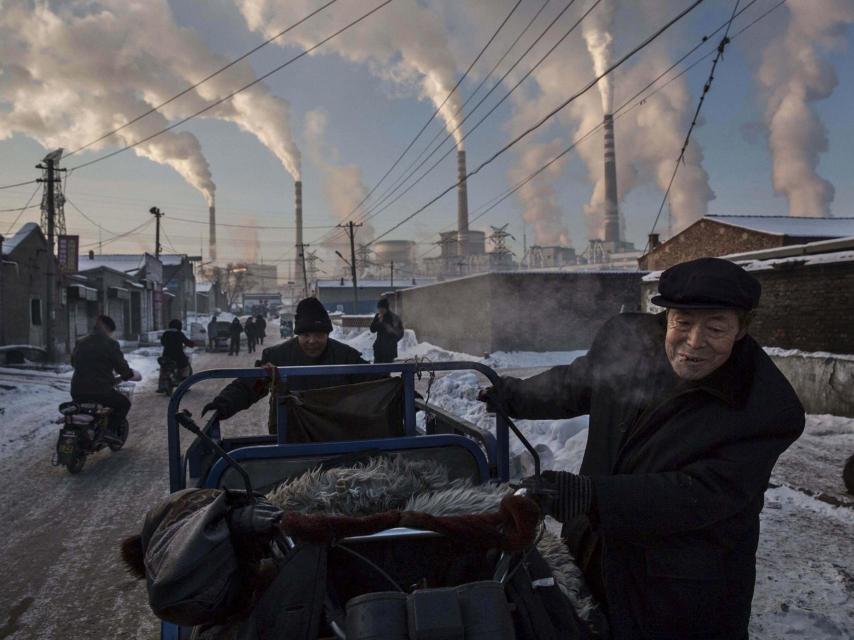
723 235
23 288
179 281
807 295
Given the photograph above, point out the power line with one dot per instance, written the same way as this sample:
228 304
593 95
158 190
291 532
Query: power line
234 93
203 80
17 209
120 235
548 116
383 204
18 184
80 211
251 226
708 85
24 208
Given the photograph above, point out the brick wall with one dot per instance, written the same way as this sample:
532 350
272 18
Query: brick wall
810 308
517 311
706 238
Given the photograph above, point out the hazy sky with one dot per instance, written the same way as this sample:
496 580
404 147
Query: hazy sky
354 107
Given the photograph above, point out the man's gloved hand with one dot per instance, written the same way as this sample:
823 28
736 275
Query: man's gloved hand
560 494
254 520
219 405
492 396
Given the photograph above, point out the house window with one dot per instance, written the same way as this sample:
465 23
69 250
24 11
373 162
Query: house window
36 312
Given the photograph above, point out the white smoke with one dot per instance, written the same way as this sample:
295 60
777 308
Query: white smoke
343 188
539 197
596 30
793 76
404 43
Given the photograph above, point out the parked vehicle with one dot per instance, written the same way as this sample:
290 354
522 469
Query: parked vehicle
286 327
86 429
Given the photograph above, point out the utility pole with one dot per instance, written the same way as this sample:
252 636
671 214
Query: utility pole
392 274
157 213
301 248
351 231
50 179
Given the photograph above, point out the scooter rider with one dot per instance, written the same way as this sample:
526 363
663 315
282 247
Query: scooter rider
174 341
95 359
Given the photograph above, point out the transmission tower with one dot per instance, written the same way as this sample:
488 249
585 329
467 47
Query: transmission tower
55 183
498 239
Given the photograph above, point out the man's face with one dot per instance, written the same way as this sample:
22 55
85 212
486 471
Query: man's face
381 311
698 341
313 343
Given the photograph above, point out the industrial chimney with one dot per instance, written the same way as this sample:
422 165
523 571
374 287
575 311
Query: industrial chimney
462 203
612 214
299 275
212 232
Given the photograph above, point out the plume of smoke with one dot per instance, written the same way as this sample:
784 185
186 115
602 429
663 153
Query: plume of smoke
596 30
793 76
343 188
246 241
406 44
538 197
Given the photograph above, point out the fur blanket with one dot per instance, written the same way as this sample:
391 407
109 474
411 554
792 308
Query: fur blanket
386 484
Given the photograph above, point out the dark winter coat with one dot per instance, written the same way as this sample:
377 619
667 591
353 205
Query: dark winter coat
389 330
260 327
242 393
679 472
94 359
173 342
235 329
251 329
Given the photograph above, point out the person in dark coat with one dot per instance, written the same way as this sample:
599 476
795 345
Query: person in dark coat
260 328
97 359
212 333
389 330
251 334
688 416
173 341
234 333
311 346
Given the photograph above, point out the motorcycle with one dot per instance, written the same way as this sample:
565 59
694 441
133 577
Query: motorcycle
170 375
86 429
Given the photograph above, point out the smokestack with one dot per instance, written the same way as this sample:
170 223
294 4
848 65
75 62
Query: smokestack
212 232
462 201
298 270
612 214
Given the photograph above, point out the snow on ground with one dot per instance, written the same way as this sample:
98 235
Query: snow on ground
805 564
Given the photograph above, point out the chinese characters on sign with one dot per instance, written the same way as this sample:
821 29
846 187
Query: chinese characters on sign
67 249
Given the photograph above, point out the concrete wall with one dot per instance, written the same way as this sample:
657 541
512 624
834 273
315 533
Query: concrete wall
824 383
523 311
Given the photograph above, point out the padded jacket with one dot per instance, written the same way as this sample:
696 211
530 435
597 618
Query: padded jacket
679 472
94 359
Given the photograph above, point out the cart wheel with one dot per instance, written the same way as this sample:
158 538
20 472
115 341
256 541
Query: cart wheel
122 435
75 465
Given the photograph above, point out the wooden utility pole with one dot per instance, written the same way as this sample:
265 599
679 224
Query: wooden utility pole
157 213
350 227
301 248
50 179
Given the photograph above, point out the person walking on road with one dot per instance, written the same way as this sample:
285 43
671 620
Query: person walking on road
260 327
234 333
389 329
688 416
251 334
212 333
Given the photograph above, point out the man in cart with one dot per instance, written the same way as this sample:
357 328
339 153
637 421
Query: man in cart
688 416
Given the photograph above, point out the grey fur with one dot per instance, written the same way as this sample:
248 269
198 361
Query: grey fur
383 484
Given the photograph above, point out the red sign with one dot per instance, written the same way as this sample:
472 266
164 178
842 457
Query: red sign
67 249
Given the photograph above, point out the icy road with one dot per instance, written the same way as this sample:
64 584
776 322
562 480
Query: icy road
59 534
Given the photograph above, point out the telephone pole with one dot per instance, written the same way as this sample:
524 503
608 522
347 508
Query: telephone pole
350 227
157 213
392 274
50 170
301 257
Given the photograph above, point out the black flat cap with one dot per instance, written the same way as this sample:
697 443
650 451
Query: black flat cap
707 283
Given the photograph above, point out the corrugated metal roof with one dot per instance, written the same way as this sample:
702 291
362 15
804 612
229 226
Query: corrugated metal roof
791 226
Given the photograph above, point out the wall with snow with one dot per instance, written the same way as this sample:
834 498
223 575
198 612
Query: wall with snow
527 311
824 382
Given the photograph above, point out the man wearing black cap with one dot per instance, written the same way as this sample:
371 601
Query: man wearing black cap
688 416
389 329
310 346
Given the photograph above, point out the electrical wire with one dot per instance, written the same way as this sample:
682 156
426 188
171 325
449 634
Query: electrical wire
120 235
237 91
22 209
706 87
81 212
17 209
548 116
203 80
18 184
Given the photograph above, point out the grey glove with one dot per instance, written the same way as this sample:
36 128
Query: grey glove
256 520
560 494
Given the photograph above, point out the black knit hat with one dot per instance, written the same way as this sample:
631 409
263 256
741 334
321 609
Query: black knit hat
707 283
383 303
311 316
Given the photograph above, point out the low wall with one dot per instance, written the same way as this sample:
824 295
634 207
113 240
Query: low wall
823 382
522 311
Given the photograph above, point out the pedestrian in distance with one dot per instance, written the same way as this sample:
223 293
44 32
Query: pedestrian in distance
173 341
212 332
688 416
251 334
389 329
234 334
260 327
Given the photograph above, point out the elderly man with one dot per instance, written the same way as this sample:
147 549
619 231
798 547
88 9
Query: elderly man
311 346
688 416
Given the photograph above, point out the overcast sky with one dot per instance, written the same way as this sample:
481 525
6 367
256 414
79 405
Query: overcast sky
353 107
